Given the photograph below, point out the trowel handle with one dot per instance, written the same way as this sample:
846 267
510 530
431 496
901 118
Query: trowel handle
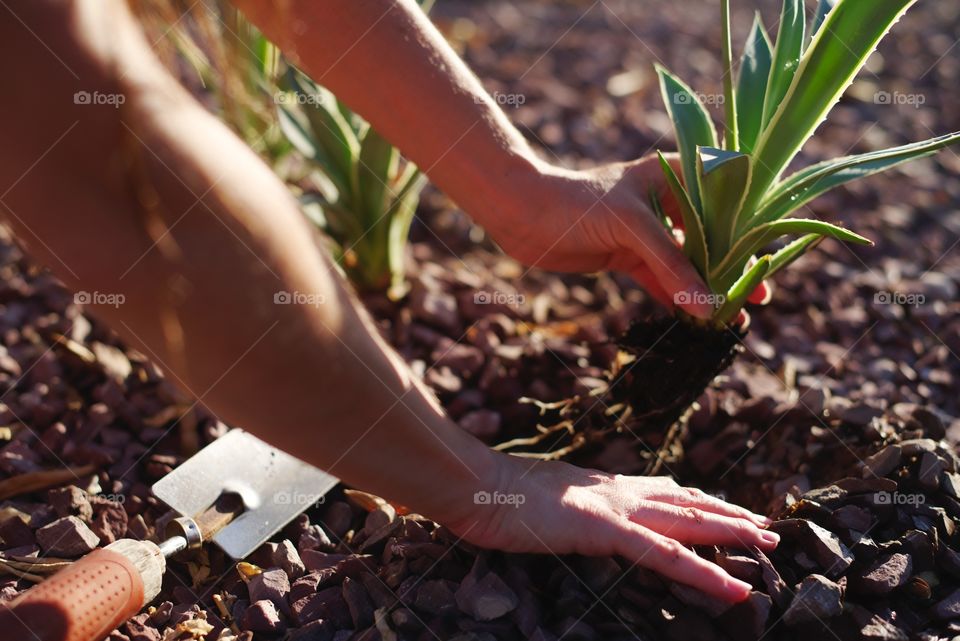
88 599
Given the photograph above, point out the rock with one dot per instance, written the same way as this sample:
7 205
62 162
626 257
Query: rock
740 567
700 600
435 308
110 521
435 597
67 537
465 360
270 585
284 555
262 616
326 604
853 517
747 620
817 599
486 598
883 462
930 470
823 546
70 501
949 607
879 629
886 574
313 631
337 518
361 610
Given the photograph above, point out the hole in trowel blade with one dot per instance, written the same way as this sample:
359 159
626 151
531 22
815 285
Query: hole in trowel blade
249 496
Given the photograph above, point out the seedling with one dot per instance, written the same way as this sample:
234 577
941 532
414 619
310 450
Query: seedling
368 193
733 199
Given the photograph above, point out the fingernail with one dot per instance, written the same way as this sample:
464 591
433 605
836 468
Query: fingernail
762 520
740 589
770 537
697 300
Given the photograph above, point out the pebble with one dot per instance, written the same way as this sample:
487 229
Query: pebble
817 599
67 537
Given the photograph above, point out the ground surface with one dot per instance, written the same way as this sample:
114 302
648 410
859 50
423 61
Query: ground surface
858 349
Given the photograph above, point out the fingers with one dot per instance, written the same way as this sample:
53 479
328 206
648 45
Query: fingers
684 496
671 559
697 526
671 269
652 286
762 294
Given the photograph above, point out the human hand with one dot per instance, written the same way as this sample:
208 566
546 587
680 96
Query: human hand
553 507
600 219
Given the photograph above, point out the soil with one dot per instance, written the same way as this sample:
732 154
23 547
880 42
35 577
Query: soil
849 374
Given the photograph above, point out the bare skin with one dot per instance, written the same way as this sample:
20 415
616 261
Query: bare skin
158 201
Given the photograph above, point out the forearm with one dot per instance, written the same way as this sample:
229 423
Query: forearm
175 214
387 61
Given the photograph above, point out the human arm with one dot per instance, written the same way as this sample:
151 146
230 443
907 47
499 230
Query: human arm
158 202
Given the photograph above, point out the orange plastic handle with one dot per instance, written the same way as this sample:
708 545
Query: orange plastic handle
83 602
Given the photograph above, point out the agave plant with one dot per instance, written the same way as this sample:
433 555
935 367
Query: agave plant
368 193
733 198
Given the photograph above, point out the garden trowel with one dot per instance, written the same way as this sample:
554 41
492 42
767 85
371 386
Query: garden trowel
236 492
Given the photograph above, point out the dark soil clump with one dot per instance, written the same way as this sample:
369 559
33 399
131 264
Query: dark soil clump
669 363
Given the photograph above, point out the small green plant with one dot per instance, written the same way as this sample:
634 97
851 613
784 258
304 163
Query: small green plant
368 194
733 200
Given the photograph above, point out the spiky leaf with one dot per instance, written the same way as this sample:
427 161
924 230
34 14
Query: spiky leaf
692 126
759 237
806 185
731 138
695 244
752 85
840 49
739 292
786 55
724 177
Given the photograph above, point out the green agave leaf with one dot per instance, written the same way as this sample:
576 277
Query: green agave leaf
401 217
330 130
759 237
731 138
298 133
792 251
786 56
692 126
823 8
695 245
377 170
724 177
740 291
841 47
752 85
806 185
658 210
